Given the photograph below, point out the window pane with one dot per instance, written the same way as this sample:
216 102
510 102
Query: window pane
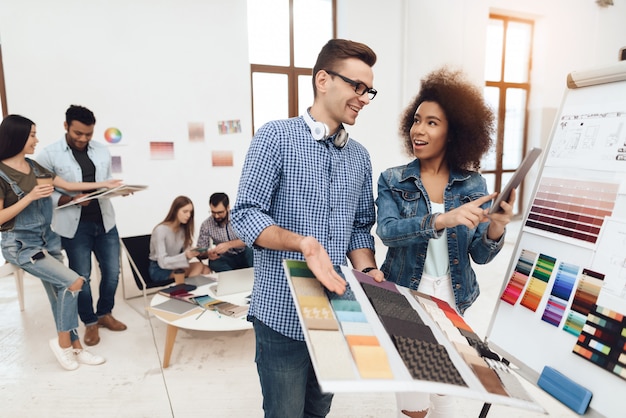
490 178
493 63
492 97
268 32
313 27
514 128
269 93
517 52
305 93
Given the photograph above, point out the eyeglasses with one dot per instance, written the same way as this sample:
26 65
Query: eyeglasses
359 88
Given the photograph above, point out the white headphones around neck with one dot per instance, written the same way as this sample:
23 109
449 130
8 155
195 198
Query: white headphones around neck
320 131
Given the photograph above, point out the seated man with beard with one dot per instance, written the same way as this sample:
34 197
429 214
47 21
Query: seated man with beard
225 250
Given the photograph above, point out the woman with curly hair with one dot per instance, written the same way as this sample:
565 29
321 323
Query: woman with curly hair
433 212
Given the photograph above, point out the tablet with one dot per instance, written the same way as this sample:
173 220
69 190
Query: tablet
517 178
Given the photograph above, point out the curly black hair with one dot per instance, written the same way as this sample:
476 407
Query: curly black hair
470 119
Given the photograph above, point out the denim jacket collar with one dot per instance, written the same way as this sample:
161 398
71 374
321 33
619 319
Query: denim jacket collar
412 171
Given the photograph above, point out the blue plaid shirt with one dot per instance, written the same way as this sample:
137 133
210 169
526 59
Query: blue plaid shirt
308 187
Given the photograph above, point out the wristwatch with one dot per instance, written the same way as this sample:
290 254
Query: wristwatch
368 269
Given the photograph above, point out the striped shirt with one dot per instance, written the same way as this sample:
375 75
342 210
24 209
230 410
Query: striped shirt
308 187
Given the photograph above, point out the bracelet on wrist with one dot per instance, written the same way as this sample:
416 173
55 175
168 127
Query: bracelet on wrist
368 269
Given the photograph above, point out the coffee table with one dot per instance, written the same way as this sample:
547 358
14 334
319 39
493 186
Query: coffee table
198 318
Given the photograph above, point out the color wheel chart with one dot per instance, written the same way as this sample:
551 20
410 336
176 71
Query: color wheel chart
572 208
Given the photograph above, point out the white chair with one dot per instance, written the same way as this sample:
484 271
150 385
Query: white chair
7 269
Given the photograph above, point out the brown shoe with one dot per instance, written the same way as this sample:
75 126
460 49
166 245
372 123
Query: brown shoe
91 335
415 414
111 323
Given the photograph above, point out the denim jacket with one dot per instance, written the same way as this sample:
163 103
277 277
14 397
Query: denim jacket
58 158
405 223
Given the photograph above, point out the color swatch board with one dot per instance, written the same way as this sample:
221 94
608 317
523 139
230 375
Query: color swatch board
563 299
381 337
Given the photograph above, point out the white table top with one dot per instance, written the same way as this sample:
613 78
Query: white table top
201 320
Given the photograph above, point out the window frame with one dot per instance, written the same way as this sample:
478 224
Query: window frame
291 71
3 91
503 87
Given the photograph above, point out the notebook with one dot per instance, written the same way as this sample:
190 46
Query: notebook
234 281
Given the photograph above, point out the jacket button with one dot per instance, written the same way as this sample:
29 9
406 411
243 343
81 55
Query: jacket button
453 235
455 261
457 286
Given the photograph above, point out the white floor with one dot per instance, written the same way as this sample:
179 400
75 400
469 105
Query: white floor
211 374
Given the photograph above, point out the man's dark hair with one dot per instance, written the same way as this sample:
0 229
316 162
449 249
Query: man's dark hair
217 198
80 114
337 50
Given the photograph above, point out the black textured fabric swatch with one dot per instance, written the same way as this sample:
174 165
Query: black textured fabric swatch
409 329
391 304
428 361
379 293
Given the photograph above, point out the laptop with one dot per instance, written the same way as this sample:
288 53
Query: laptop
234 281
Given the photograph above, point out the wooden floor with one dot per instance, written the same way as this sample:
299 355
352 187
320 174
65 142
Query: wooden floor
212 374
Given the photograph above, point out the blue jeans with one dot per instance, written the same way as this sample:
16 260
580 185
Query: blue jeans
288 381
91 237
157 274
18 247
233 261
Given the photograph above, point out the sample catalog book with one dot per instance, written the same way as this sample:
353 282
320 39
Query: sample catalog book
383 337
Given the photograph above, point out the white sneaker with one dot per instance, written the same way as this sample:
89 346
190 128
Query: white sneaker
65 356
85 357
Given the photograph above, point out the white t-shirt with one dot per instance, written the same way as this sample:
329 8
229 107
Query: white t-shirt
437 263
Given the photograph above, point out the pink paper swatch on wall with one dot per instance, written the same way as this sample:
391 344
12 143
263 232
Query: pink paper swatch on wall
222 158
162 150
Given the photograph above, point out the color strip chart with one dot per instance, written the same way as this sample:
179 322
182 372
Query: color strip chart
586 295
572 208
518 280
602 340
561 291
341 338
538 282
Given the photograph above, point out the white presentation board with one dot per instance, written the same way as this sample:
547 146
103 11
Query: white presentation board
563 300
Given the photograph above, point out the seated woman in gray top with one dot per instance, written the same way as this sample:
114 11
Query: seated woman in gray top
170 244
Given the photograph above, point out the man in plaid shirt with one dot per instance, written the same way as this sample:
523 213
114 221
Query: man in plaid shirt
306 193
229 252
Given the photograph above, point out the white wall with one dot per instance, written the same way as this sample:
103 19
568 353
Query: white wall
150 67
147 68
414 37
